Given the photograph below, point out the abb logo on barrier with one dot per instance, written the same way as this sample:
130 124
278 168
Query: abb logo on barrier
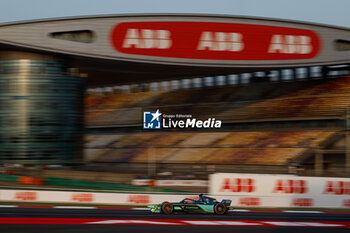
139 199
82 197
238 185
249 201
291 186
346 203
26 196
214 41
302 202
337 187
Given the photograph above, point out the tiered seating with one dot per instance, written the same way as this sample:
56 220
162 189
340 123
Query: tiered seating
134 140
239 103
336 86
295 139
260 148
102 140
169 140
203 139
242 139
118 155
201 103
153 154
275 156
290 107
189 155
329 98
253 156
120 107
88 138
93 154
321 137
256 101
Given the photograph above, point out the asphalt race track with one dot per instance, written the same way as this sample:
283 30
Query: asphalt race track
28 220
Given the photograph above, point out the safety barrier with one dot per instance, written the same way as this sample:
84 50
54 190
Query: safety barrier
70 183
96 198
245 190
262 190
101 186
169 183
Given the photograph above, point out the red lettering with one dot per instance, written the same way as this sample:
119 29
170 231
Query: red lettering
237 185
346 203
214 41
302 186
291 186
226 185
337 188
139 199
26 196
303 202
249 201
82 197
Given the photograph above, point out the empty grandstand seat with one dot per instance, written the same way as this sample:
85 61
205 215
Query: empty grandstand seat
203 139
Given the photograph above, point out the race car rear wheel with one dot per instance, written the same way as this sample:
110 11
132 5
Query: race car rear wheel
167 208
220 208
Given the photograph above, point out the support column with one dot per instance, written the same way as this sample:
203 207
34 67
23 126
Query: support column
318 163
324 72
347 152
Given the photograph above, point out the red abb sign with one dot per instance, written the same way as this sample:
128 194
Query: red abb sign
291 186
214 41
82 197
337 187
238 185
249 201
302 202
139 199
26 196
346 203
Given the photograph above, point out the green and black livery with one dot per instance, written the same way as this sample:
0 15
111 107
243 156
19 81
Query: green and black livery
204 204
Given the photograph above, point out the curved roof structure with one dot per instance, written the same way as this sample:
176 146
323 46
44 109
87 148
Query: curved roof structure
141 48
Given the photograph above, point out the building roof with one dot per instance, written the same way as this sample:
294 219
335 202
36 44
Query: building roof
114 49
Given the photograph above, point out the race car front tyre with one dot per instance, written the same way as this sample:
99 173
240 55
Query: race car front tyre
167 208
220 208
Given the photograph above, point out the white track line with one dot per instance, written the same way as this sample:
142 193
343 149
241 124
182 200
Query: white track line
140 208
303 211
74 207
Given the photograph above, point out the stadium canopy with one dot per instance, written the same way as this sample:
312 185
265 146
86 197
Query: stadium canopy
143 48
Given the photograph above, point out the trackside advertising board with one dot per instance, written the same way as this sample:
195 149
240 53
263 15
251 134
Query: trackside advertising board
330 201
97 198
282 190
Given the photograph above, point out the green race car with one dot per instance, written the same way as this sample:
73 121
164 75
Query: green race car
204 204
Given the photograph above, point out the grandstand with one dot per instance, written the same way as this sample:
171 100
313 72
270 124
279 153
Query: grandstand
282 110
270 150
264 101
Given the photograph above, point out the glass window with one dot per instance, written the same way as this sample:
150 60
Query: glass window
342 45
84 36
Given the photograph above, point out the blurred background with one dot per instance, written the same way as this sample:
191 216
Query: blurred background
86 134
